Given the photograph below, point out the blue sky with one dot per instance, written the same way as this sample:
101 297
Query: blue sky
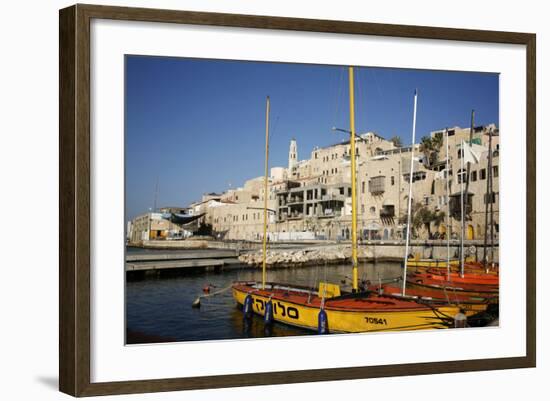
198 126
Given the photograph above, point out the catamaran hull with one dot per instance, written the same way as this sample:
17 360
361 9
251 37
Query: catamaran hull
300 314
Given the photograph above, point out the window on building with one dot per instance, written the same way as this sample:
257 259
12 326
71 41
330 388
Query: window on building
363 187
490 198
495 171
461 176
482 174
362 209
392 180
372 210
474 176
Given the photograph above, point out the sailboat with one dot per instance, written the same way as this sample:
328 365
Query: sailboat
471 279
452 266
328 308
432 279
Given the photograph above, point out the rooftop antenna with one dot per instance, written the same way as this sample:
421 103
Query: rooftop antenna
156 195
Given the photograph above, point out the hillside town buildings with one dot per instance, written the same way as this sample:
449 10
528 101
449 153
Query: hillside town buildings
311 198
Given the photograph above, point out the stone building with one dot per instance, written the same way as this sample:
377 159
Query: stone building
311 199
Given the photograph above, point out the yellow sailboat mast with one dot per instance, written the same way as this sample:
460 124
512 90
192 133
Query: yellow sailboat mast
264 246
355 285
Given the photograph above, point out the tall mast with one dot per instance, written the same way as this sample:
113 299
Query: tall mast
409 206
490 177
462 210
355 284
467 177
470 144
448 204
264 246
489 162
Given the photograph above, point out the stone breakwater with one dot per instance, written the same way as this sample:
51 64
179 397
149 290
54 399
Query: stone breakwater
305 256
341 253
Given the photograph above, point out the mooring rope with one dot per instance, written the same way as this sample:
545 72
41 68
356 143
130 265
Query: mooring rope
197 301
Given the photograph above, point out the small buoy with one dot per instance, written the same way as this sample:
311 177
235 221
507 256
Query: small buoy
206 289
322 322
268 316
247 306
196 303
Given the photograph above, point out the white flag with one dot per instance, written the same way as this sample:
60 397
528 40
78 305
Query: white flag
472 153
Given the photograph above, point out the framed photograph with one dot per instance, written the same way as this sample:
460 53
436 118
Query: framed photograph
250 200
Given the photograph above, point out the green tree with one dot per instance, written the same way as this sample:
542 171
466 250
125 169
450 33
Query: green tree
396 140
430 147
422 216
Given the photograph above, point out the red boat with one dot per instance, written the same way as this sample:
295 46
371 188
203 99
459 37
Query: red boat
469 267
457 278
426 280
471 303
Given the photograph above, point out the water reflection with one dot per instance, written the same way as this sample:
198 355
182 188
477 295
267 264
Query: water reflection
160 307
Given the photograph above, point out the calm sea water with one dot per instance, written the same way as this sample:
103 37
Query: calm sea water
159 308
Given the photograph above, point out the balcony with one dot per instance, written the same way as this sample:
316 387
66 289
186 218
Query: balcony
333 197
377 185
387 211
295 216
295 200
455 204
329 213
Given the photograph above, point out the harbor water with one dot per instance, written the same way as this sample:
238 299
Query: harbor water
158 308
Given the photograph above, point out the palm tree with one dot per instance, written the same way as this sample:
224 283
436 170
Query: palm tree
396 140
426 147
422 216
431 146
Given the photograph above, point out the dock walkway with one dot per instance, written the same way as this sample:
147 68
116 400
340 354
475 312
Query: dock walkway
206 259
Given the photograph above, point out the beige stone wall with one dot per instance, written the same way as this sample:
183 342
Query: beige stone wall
382 191
240 220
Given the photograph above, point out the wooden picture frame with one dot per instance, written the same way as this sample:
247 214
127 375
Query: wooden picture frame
74 199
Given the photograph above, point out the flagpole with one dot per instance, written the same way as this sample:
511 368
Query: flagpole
410 197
